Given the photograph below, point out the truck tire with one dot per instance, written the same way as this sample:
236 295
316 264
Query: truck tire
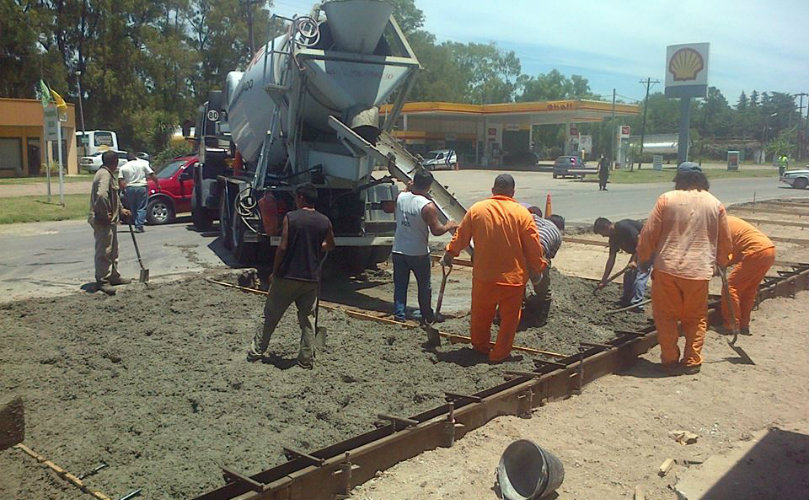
244 252
200 215
379 254
224 221
554 175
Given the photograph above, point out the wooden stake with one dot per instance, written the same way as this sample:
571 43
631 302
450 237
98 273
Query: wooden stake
67 476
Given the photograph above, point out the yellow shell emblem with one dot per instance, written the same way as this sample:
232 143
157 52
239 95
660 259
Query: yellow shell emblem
685 64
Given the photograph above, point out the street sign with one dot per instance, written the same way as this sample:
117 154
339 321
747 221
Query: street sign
51 124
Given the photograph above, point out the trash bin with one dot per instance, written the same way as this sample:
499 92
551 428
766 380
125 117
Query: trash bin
733 160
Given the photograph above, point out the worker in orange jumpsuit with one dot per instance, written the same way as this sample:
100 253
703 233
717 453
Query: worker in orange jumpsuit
507 253
753 255
685 236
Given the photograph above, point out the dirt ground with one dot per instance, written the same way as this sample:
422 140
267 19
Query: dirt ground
131 382
154 382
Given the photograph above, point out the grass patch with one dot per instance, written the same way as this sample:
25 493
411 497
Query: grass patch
37 208
667 174
41 180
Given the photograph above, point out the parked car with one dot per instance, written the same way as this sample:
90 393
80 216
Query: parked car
93 162
571 165
799 179
441 159
176 181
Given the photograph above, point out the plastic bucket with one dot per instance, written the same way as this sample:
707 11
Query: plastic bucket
527 472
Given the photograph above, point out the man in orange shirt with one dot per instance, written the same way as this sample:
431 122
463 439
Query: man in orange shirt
507 252
753 255
686 235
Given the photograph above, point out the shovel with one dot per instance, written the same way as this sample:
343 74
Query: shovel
433 336
735 327
12 422
320 331
612 278
144 273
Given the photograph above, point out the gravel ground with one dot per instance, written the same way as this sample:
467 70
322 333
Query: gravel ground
155 383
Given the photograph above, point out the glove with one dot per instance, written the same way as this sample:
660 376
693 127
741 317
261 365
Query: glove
446 260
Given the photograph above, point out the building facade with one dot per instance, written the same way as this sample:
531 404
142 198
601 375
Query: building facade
23 150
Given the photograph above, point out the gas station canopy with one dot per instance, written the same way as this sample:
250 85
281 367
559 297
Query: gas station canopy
495 127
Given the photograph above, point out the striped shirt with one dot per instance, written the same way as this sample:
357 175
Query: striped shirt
549 236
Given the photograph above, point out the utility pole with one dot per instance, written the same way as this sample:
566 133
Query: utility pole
648 82
801 132
249 4
612 131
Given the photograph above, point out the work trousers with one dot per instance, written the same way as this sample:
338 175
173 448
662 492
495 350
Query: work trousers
634 286
136 199
602 182
685 301
543 288
106 252
420 266
283 292
486 299
743 284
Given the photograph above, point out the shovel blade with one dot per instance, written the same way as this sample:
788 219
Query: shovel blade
746 359
144 276
320 337
12 422
433 337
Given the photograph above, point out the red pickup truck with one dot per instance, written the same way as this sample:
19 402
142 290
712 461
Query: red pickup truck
176 181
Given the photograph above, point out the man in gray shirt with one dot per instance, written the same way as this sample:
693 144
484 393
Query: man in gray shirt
416 217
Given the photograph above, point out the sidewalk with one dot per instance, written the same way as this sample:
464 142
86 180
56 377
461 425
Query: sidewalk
41 188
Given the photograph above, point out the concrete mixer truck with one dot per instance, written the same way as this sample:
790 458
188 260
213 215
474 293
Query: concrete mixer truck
306 109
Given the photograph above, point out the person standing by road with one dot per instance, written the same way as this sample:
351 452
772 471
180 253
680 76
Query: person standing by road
783 164
105 211
753 254
306 236
686 235
415 215
507 250
132 176
603 173
623 235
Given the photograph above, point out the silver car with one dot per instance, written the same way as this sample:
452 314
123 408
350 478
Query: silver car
441 159
799 179
93 162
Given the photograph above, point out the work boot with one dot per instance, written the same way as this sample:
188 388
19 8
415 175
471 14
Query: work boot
745 330
106 288
690 370
542 312
120 281
252 357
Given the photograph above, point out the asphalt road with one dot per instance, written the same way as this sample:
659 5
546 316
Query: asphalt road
57 257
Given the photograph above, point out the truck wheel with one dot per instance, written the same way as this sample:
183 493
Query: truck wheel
554 175
224 222
243 252
159 211
200 215
380 254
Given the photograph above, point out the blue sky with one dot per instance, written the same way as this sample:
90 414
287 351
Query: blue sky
761 45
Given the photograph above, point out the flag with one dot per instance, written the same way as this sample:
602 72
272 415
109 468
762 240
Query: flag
61 105
44 94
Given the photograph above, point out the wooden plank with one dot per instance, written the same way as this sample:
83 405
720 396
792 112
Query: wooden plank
585 241
777 222
781 211
797 241
665 467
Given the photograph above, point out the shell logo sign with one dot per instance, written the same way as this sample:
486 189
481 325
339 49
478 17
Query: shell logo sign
685 64
687 70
